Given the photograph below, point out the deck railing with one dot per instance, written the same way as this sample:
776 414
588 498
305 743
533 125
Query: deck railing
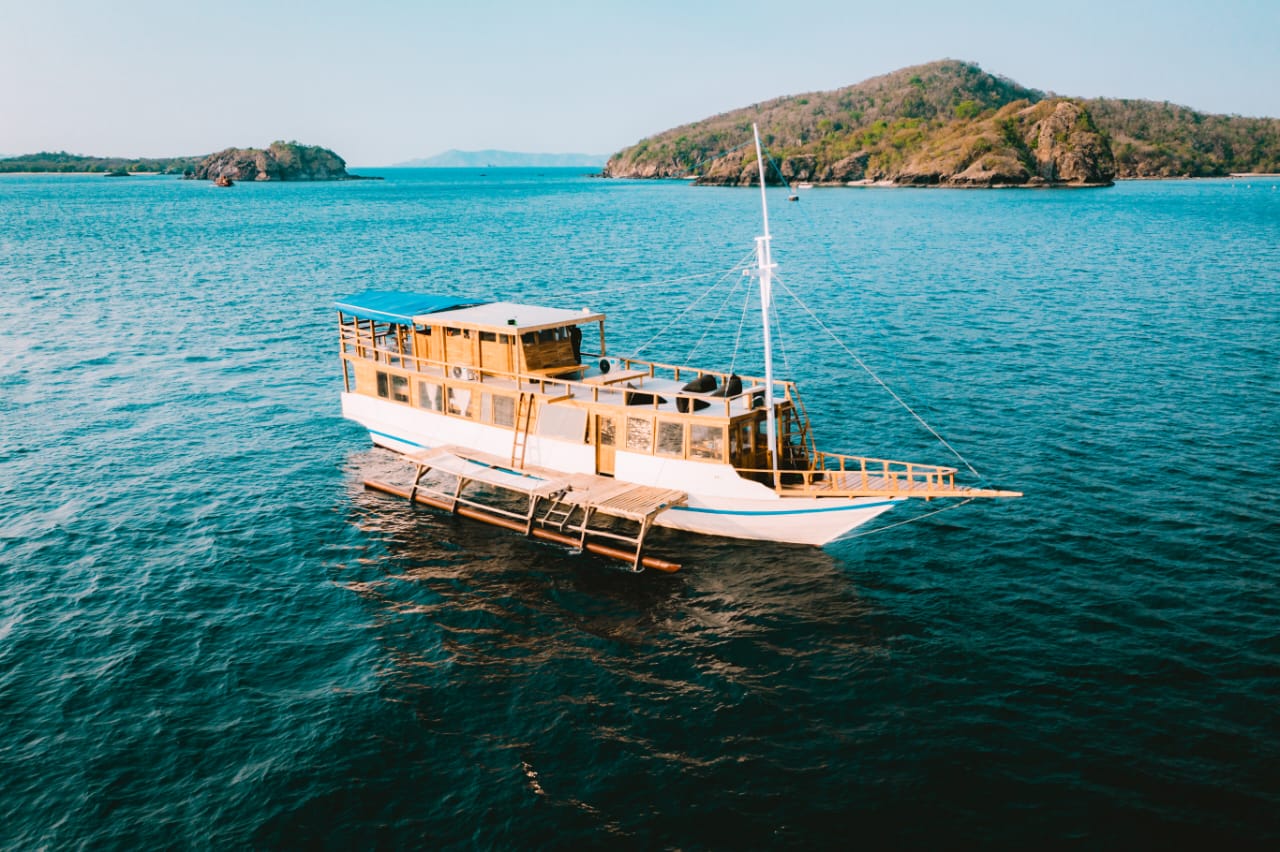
357 344
838 473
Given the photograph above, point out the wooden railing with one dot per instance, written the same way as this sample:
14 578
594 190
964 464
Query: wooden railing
836 473
358 344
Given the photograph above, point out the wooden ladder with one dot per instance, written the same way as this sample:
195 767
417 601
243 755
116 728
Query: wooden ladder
520 440
800 418
558 513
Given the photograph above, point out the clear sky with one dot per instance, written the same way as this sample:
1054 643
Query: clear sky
381 81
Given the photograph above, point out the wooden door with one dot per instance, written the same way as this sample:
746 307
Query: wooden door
607 432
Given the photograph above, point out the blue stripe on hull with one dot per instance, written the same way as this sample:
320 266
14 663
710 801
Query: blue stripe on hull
398 439
694 509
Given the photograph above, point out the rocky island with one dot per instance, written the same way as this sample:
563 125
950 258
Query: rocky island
279 161
950 123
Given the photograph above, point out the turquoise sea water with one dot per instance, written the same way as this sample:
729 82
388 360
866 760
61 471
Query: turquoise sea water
211 636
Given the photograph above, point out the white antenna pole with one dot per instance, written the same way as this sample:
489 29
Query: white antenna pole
765 267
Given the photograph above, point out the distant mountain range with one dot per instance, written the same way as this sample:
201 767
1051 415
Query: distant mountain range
453 159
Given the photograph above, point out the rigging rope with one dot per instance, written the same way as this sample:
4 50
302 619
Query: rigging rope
774 313
631 285
739 266
711 324
877 379
742 321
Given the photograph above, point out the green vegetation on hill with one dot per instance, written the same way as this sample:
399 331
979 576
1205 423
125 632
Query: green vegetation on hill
952 123
61 161
1160 139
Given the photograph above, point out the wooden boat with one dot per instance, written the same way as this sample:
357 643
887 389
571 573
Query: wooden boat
528 398
223 180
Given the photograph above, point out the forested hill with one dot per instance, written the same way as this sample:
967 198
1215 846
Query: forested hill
1155 139
951 123
61 161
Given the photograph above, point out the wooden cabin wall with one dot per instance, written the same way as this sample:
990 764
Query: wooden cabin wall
495 351
544 354
426 344
459 346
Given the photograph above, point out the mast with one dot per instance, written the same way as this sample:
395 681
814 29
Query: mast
764 268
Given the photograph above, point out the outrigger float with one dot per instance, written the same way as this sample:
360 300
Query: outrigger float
506 396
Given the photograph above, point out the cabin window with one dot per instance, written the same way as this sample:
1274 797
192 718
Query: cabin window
670 438
528 337
640 434
488 337
465 333
459 401
608 432
384 385
429 396
400 388
706 442
504 411
504 338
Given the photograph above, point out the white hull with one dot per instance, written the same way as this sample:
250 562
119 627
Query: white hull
720 502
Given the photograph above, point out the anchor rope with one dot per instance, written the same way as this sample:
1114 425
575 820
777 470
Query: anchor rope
909 520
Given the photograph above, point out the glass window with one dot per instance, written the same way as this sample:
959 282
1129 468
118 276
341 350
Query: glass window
670 438
706 442
384 384
488 337
640 434
429 396
459 400
400 388
504 411
608 431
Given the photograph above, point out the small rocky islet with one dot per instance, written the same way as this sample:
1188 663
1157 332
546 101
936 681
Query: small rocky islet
281 161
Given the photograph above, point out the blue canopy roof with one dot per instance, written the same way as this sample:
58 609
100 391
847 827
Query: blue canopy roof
396 306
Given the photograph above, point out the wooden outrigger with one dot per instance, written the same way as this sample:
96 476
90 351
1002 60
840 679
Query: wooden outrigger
556 505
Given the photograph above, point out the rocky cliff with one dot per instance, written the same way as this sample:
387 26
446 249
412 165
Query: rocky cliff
1051 143
946 123
281 161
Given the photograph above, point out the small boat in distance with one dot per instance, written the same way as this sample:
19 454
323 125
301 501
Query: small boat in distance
223 180
528 399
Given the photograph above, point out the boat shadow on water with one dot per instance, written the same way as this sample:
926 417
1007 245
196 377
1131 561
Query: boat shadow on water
422 561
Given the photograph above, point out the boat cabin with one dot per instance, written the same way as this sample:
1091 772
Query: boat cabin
546 372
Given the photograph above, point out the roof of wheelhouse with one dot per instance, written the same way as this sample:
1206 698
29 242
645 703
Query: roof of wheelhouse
507 317
404 308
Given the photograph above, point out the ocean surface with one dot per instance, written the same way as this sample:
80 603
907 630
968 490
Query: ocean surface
212 636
